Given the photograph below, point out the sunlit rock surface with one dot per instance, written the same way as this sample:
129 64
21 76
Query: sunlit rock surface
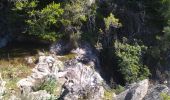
77 77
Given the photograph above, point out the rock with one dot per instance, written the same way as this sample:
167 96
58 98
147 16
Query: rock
136 92
79 51
82 82
38 95
60 47
2 87
90 2
168 81
46 66
76 77
154 93
85 52
41 53
29 60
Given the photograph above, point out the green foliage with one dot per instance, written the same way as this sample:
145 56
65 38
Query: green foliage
40 21
50 20
108 95
130 61
75 12
166 38
165 96
119 89
166 13
111 21
49 85
25 5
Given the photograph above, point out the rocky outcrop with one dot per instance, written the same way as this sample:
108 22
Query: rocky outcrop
86 54
76 77
47 66
82 82
143 91
136 91
154 93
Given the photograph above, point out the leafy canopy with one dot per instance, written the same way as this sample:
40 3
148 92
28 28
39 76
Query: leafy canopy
130 61
40 21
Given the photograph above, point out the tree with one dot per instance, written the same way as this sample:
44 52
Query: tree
130 63
76 13
40 21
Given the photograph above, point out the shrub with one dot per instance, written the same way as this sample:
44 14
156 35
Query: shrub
165 96
111 21
119 89
130 61
108 95
49 85
76 14
40 21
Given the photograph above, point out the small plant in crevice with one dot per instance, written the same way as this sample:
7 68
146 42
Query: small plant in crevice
165 96
49 84
108 94
119 89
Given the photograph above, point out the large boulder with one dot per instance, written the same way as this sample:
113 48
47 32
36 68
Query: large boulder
82 83
154 93
136 91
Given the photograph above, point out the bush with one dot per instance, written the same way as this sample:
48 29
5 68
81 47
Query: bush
165 96
119 89
40 21
76 14
130 62
111 21
49 85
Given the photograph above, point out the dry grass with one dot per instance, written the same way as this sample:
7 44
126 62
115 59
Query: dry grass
13 66
12 71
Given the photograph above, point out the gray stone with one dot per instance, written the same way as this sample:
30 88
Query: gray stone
154 93
82 82
90 2
77 77
41 70
38 95
29 60
61 47
136 92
